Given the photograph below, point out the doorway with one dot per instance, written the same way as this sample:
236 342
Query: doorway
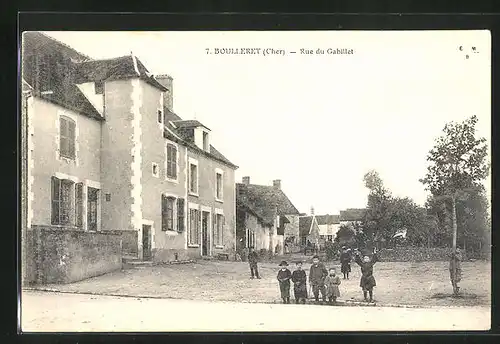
146 242
205 237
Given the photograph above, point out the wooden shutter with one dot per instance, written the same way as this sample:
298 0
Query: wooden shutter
79 204
163 213
71 139
56 200
63 136
180 214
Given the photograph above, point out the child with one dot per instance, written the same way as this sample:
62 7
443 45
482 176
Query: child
345 261
332 282
252 260
284 276
317 275
367 281
299 280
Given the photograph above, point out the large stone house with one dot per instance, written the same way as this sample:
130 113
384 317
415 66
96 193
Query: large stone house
266 217
104 151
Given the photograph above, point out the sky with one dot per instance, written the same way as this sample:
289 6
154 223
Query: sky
319 122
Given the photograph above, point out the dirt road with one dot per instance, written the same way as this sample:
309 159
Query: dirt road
49 312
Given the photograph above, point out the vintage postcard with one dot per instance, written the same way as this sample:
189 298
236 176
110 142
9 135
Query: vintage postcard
255 181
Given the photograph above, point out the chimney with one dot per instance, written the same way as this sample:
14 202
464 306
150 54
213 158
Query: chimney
277 184
168 97
245 180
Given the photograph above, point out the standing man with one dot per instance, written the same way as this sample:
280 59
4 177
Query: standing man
252 260
317 275
345 261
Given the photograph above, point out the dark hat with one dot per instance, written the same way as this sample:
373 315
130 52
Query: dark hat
316 256
283 263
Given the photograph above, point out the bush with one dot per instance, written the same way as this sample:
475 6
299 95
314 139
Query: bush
331 250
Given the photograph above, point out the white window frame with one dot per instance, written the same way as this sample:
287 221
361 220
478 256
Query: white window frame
221 172
193 206
193 162
176 180
157 174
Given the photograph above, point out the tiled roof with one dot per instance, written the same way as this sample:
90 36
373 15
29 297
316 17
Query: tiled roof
352 214
115 69
327 219
305 225
266 201
190 123
50 68
174 133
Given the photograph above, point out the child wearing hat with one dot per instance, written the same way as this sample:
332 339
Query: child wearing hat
284 276
299 280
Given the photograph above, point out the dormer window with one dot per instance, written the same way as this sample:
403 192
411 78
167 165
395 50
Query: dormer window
99 87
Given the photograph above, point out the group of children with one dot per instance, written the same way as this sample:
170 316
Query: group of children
326 282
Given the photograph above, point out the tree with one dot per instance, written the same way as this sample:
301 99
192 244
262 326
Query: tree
457 168
377 214
345 234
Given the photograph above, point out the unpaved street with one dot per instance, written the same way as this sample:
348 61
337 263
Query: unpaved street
48 312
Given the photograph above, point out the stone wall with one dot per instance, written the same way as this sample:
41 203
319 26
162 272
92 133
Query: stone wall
415 254
60 255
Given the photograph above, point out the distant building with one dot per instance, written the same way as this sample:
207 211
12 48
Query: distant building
352 216
328 225
265 216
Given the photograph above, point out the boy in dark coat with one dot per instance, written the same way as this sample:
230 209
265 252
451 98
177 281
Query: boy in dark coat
284 276
367 281
299 280
345 261
317 275
252 260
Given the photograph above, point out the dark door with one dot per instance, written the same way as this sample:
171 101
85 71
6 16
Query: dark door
205 239
146 242
92 196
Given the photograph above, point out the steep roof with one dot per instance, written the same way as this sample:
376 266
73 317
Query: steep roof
54 69
327 219
117 68
49 67
176 134
189 123
266 201
352 214
307 224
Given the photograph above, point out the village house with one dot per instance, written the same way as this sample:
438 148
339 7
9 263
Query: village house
309 230
106 157
352 216
266 217
328 225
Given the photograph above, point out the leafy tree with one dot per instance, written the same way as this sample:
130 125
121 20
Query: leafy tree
458 165
345 234
377 214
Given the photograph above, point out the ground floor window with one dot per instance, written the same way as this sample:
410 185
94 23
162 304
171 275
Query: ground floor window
194 227
92 209
62 201
219 232
167 213
251 238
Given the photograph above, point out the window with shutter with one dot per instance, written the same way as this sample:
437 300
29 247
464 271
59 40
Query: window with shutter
194 222
79 204
167 213
171 161
180 215
67 128
92 199
56 201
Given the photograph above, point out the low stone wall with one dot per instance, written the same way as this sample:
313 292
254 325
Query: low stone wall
129 241
63 255
416 254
